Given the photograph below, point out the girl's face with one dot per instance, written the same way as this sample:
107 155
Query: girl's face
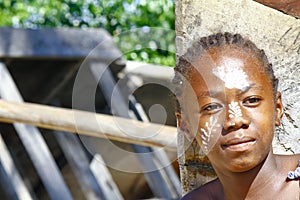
229 106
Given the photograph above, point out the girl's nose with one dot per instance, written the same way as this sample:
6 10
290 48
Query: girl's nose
236 123
235 118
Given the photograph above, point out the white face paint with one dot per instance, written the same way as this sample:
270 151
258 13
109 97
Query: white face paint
232 74
234 110
208 132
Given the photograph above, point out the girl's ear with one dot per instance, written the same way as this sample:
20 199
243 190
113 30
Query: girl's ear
181 125
279 109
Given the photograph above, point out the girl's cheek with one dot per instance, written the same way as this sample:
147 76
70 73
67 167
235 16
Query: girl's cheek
208 134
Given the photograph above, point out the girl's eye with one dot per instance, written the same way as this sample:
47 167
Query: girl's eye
252 101
212 107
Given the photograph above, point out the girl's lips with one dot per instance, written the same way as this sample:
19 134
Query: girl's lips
239 144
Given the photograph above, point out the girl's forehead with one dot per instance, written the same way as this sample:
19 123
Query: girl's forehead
229 59
231 72
231 67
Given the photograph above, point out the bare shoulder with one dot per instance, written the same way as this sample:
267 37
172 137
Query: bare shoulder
209 191
288 162
291 187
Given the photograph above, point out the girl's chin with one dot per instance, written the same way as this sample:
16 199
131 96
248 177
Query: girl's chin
236 165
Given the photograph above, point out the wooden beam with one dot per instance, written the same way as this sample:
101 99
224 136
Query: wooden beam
57 43
290 7
89 124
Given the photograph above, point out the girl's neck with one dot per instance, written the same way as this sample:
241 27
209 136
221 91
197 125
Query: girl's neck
242 185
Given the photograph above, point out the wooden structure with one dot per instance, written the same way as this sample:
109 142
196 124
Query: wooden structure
273 31
290 7
42 66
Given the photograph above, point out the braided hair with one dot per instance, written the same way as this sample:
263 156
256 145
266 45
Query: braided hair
200 47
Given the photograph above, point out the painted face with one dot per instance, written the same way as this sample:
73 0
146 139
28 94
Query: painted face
233 113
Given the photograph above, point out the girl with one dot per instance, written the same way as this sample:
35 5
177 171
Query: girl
228 102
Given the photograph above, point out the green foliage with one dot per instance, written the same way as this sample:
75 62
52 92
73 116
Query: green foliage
133 23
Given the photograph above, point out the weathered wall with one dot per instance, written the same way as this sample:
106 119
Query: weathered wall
277 33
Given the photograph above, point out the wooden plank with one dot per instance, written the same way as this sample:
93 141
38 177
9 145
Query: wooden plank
80 164
34 144
57 43
290 7
154 174
7 190
16 183
104 179
106 126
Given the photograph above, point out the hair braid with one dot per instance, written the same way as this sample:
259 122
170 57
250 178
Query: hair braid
200 46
